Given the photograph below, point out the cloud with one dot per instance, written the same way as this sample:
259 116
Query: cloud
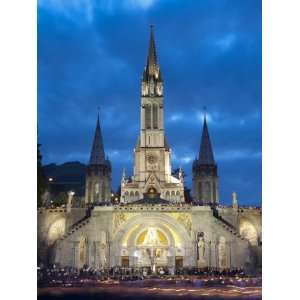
226 42
92 53
236 155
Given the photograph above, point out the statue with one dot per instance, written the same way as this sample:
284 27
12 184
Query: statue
69 203
103 255
234 200
201 249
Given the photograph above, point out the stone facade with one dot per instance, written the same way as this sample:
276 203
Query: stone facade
152 154
152 226
98 173
113 236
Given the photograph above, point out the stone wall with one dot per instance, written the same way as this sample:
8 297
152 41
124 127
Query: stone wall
98 240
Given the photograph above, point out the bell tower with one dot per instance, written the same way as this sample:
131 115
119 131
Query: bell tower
152 154
152 113
98 173
205 172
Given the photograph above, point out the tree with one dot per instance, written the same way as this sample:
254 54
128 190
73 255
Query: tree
41 180
60 199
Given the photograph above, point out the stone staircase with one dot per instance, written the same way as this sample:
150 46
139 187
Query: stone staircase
79 224
226 225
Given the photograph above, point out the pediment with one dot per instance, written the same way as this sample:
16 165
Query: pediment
152 182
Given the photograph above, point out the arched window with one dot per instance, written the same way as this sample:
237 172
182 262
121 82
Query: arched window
103 192
89 191
173 195
82 252
126 195
148 116
214 192
131 195
97 188
167 195
200 191
207 191
137 195
155 116
94 254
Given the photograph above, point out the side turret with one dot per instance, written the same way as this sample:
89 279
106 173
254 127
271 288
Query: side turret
205 172
98 173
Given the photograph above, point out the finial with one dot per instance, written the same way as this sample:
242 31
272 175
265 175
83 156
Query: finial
204 109
234 199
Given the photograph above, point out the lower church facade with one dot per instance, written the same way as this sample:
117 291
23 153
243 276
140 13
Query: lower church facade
152 235
152 226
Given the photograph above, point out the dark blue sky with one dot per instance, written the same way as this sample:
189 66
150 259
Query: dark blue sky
92 53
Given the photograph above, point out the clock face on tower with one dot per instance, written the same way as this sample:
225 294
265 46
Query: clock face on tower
152 159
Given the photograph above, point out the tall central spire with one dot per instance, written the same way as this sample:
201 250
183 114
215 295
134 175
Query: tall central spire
152 58
152 79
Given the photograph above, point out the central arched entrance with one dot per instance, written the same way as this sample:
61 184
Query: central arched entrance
152 248
153 240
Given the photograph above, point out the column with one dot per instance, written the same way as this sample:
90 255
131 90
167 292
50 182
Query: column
97 254
214 254
75 254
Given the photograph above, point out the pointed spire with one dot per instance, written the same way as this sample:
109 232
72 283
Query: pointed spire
152 68
206 156
152 58
97 154
123 175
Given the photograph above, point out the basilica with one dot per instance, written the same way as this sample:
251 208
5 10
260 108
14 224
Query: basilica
152 225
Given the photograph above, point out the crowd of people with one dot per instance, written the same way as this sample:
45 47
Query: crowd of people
55 275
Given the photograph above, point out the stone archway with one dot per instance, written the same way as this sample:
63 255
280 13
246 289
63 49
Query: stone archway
55 232
248 231
154 236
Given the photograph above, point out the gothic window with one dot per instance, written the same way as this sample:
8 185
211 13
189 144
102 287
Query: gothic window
94 251
148 116
97 188
155 116
151 86
82 251
200 191
168 195
214 192
126 196
103 192
131 195
207 191
173 195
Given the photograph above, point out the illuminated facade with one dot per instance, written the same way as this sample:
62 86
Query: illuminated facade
153 226
152 154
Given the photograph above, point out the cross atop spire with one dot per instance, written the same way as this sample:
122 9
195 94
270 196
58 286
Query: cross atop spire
97 154
206 156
